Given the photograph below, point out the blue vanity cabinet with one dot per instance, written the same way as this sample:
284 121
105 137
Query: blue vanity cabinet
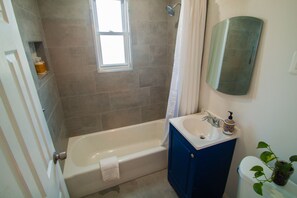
198 173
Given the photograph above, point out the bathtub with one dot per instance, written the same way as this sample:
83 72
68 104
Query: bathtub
137 147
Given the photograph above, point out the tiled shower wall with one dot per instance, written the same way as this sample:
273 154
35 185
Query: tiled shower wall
95 101
30 27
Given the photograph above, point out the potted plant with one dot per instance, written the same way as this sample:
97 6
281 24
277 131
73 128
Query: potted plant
281 171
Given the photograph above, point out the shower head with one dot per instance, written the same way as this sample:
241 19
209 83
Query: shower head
170 9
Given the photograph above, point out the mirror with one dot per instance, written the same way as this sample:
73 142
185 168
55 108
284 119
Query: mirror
233 50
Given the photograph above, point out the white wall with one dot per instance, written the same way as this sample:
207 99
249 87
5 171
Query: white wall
269 111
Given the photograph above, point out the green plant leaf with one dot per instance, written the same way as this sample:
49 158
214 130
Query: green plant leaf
258 188
262 145
257 168
258 174
293 158
267 156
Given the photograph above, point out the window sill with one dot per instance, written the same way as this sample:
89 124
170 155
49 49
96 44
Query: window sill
114 70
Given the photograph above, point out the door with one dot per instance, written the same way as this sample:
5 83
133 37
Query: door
26 148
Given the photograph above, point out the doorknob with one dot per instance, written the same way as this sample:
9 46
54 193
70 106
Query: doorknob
59 156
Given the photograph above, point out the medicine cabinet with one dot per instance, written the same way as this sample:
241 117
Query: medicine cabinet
234 44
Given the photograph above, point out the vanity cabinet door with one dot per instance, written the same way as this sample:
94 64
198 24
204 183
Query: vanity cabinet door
198 173
180 164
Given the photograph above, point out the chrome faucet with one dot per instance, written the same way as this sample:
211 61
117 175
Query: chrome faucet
214 121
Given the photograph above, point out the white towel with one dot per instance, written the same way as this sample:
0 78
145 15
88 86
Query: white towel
110 168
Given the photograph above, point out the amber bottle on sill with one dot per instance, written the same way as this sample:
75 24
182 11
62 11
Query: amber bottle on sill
40 66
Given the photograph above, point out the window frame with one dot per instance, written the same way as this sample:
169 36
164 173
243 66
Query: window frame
126 37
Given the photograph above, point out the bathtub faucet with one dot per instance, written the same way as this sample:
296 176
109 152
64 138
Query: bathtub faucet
214 121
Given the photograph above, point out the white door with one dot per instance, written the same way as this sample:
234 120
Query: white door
26 148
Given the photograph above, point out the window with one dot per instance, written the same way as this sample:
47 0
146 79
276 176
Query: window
112 35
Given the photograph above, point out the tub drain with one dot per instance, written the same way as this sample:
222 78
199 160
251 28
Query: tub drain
202 137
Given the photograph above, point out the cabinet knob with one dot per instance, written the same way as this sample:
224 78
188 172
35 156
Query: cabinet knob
192 155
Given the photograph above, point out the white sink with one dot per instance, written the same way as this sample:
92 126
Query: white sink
200 133
201 129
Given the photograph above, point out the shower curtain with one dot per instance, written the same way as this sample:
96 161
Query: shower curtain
185 81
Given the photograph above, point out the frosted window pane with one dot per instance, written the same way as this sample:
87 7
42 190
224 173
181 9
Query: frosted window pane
113 51
109 15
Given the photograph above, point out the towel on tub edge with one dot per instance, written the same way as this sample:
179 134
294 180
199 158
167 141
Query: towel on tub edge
110 168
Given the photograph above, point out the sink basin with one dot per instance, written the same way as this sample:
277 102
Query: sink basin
201 129
199 133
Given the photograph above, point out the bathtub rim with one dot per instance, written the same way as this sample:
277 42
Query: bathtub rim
92 182
71 169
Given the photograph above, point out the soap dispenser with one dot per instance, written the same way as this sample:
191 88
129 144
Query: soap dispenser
229 124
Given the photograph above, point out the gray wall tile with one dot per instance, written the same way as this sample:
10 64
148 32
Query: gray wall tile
67 32
153 112
91 56
157 33
83 125
170 55
83 105
129 99
117 81
143 10
49 96
76 83
121 118
77 106
150 33
149 77
28 5
66 9
140 56
139 10
156 10
158 95
158 55
55 122
72 59
29 25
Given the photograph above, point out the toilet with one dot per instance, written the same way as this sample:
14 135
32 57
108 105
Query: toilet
270 190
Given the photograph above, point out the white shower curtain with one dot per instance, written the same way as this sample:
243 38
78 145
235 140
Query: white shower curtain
184 88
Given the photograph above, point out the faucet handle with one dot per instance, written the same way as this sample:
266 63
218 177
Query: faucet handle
219 122
205 118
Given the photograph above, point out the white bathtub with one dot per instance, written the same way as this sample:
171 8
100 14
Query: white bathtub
137 147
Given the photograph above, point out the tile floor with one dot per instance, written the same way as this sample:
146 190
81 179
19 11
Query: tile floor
149 186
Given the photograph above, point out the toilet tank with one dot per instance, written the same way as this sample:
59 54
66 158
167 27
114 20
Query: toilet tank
270 190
